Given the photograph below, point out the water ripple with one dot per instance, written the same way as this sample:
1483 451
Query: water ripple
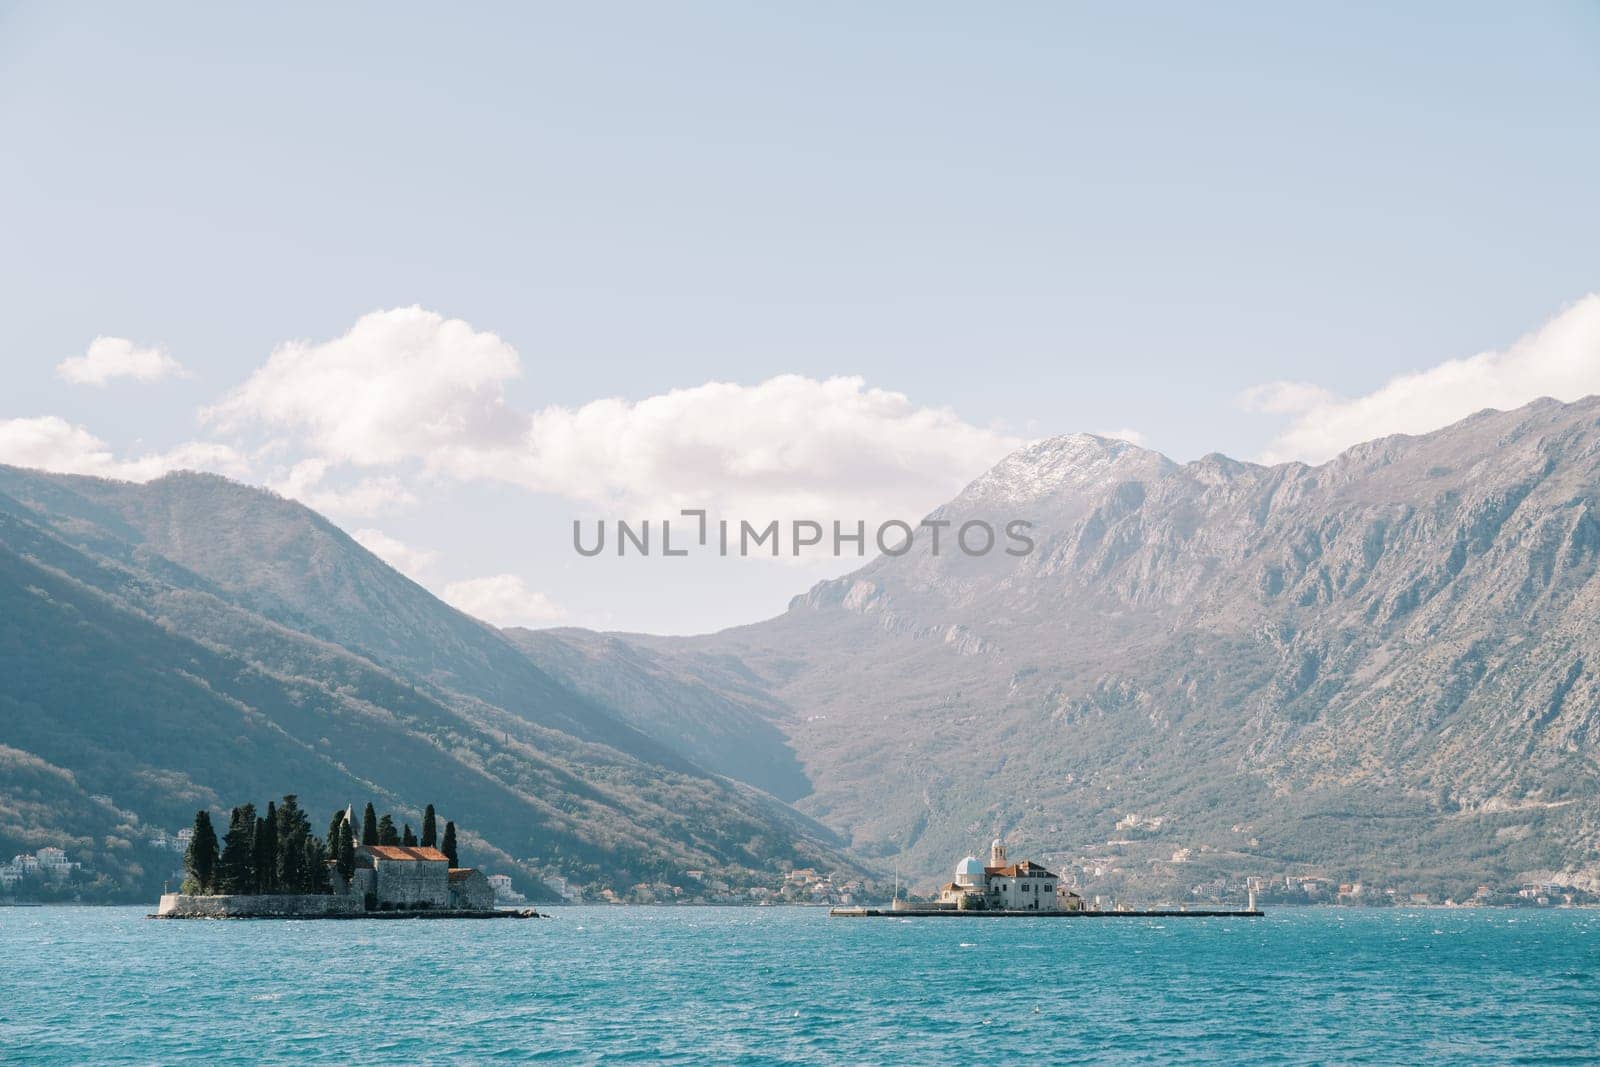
775 986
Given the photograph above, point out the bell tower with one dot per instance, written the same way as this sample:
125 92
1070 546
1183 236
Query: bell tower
997 853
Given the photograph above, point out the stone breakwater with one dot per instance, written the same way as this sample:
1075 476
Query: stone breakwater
307 906
265 906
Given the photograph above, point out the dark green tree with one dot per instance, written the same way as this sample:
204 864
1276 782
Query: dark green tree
387 834
293 831
369 826
239 851
267 851
316 866
449 845
347 850
333 830
430 828
407 838
200 861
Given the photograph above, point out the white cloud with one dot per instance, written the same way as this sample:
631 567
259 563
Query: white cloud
49 442
503 600
54 444
117 357
364 498
402 384
788 447
1284 398
1561 359
411 391
1127 433
414 563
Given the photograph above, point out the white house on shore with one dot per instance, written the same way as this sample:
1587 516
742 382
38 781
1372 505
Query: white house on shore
504 892
1002 886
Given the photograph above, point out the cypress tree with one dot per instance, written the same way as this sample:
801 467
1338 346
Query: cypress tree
449 845
293 832
407 838
333 830
267 851
200 861
387 835
430 828
347 851
316 866
261 856
369 826
238 851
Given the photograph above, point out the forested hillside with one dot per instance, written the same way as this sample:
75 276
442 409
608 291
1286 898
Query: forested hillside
131 676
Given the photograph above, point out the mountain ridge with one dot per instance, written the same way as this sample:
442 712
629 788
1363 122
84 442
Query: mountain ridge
167 689
1380 667
1305 657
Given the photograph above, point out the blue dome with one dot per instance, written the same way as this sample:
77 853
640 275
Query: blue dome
969 866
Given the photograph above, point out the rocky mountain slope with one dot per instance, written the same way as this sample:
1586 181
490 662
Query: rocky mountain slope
1379 669
707 707
194 642
1383 667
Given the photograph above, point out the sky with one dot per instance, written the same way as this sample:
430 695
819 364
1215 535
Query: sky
458 279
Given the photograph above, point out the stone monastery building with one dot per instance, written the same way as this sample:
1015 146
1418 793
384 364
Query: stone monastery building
407 877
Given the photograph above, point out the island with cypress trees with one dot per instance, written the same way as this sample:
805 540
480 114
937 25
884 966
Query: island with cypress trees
271 865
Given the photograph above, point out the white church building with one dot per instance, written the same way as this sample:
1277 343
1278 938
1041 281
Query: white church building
1002 886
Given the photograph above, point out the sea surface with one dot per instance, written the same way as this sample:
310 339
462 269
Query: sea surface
789 985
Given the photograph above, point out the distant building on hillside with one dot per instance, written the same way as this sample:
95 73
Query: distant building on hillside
53 863
47 862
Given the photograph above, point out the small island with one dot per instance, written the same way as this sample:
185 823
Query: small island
1000 889
272 866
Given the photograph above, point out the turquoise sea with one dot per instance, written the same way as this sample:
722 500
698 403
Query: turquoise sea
789 985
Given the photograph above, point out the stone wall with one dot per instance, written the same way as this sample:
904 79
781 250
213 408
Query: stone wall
239 906
470 890
363 880
413 884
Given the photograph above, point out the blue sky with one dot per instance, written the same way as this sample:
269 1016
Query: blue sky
1043 218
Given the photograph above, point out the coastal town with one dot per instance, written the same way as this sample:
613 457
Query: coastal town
1146 850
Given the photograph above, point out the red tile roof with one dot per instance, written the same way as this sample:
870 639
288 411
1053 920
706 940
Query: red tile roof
403 852
461 874
1025 869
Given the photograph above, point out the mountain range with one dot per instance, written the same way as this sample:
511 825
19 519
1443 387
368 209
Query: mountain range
1381 668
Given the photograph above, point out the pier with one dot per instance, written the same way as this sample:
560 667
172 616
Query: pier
1135 913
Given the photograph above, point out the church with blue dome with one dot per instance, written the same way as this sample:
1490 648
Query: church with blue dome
1002 886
